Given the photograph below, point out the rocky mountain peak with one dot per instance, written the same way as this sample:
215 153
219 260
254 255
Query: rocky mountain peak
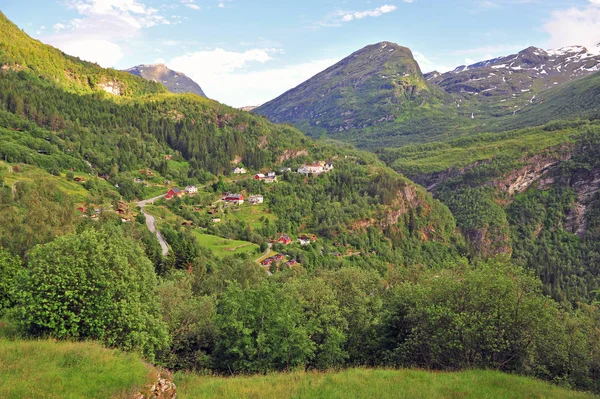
175 82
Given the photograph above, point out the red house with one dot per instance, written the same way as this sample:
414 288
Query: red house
234 198
259 176
284 239
175 192
267 261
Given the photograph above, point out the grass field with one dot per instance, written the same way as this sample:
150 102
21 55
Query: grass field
376 384
224 247
65 370
30 173
251 214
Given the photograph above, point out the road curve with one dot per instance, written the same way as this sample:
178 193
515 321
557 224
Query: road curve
151 223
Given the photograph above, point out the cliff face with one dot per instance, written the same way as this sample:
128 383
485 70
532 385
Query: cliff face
565 166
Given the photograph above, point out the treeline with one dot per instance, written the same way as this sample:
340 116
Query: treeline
132 133
228 316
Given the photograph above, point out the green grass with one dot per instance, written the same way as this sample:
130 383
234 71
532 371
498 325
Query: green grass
458 153
66 370
250 214
29 173
363 384
222 247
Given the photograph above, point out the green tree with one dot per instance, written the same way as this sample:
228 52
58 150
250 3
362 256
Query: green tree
260 330
9 267
94 285
190 320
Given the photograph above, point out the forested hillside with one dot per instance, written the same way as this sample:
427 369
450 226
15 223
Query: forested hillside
283 252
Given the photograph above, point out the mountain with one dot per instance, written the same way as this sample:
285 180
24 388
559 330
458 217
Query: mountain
504 85
175 82
20 53
377 85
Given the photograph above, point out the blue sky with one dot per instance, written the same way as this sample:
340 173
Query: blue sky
246 52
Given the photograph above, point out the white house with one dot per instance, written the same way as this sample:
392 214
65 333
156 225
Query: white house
313 168
328 166
271 174
191 189
271 179
239 171
304 241
285 170
256 199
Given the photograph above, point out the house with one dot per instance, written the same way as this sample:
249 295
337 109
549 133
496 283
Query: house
327 167
278 257
239 171
125 220
234 199
311 169
256 199
267 262
285 170
292 262
146 172
215 220
191 189
271 179
304 240
175 192
271 174
259 176
284 239
306 237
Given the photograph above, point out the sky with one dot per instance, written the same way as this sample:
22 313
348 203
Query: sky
246 52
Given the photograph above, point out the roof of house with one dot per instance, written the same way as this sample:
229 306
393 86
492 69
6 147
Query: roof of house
234 196
176 190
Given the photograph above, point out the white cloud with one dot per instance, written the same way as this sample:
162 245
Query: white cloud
240 78
575 26
102 28
190 4
377 12
429 65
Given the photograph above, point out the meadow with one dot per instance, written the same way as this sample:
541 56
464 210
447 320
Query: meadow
367 383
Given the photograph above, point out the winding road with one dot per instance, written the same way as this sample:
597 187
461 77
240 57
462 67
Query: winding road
151 223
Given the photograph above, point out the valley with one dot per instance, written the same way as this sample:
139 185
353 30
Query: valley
372 222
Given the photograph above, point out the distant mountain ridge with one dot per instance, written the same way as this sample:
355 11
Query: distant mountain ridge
374 85
175 82
504 85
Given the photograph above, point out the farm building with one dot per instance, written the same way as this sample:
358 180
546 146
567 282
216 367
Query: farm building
234 198
256 199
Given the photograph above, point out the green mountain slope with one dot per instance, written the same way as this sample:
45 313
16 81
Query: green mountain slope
376 89
578 99
20 53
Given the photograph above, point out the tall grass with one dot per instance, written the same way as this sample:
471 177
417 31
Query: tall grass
66 370
364 384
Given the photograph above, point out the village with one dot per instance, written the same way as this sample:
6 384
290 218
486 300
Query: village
229 199
250 207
